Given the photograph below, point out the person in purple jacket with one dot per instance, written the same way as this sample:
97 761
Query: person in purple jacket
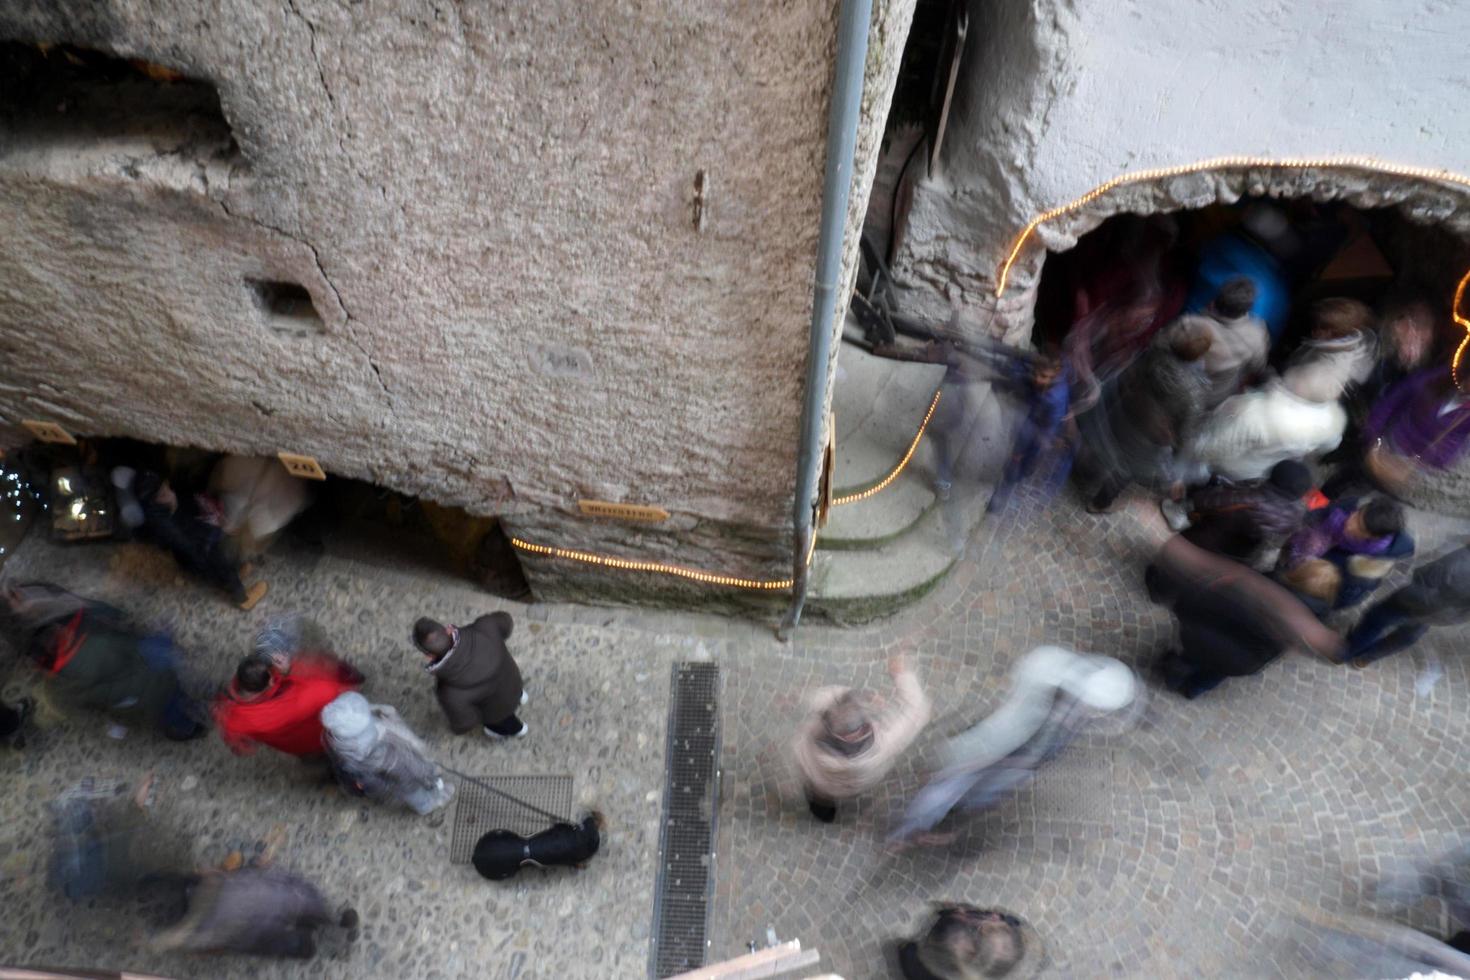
1423 419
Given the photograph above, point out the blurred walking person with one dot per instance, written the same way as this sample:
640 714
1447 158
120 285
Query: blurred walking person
256 911
94 659
1146 416
1233 620
965 942
376 755
1437 595
1054 695
848 742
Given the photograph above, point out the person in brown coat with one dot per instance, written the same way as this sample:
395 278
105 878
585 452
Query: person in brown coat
477 681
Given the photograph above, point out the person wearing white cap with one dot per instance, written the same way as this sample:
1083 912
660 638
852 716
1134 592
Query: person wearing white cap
1055 693
378 756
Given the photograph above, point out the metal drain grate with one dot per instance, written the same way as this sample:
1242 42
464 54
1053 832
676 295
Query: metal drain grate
477 810
691 788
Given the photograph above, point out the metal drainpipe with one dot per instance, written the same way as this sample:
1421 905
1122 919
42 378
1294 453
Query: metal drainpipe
847 98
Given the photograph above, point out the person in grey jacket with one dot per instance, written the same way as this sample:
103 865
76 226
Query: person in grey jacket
1437 595
1239 342
477 681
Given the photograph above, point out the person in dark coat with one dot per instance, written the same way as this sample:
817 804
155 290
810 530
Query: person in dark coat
1146 417
94 660
189 529
1233 621
1243 521
12 722
1438 594
963 942
476 679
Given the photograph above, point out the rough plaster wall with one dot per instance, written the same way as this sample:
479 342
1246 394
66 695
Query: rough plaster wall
491 206
1056 98
888 32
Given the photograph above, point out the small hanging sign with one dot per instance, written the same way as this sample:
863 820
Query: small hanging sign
302 467
49 432
622 512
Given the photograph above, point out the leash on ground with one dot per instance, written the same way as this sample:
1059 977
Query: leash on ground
504 795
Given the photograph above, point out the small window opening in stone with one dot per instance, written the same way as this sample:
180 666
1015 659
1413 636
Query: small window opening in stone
288 306
72 98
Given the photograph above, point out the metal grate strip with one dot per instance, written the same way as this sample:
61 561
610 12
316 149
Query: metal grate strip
477 810
686 841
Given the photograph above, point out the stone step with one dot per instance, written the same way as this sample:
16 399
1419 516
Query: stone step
856 586
878 404
873 522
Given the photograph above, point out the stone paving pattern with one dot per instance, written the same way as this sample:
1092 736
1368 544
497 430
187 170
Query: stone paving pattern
1183 847
1180 848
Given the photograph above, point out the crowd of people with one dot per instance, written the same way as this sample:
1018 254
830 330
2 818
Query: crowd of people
1277 416
292 695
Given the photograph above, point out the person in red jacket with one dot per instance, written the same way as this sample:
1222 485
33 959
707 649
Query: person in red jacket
282 708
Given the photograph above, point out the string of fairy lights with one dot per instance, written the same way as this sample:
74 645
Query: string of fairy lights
710 578
15 496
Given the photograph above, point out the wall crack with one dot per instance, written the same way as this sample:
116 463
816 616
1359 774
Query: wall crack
321 74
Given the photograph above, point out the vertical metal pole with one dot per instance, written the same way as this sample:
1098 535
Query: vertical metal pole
842 122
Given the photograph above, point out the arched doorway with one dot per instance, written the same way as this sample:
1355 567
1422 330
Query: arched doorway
1124 260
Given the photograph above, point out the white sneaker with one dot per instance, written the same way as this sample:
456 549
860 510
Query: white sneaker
520 734
1176 514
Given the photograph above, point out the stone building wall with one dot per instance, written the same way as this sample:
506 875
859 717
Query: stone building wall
492 208
1057 97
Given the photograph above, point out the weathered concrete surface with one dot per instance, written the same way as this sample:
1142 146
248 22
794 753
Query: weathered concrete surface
493 211
1057 98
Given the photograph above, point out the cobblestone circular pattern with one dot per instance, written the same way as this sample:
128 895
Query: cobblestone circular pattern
1186 846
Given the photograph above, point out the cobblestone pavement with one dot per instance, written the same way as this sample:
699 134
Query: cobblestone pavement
1184 847
1180 848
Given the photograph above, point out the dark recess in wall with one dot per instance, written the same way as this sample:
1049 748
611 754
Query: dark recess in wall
69 96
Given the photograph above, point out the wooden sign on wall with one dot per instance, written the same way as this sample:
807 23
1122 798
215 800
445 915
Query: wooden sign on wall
49 432
622 512
302 467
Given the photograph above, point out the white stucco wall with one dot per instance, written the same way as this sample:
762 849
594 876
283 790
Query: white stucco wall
1058 97
491 206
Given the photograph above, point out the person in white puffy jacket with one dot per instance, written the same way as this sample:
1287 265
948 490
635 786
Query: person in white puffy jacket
1296 416
378 756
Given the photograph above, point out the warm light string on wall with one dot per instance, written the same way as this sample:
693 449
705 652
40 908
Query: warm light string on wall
710 578
1002 282
1238 163
882 484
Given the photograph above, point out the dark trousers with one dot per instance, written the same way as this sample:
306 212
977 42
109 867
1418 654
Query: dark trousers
10 719
1033 449
822 808
1385 629
1189 680
506 726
